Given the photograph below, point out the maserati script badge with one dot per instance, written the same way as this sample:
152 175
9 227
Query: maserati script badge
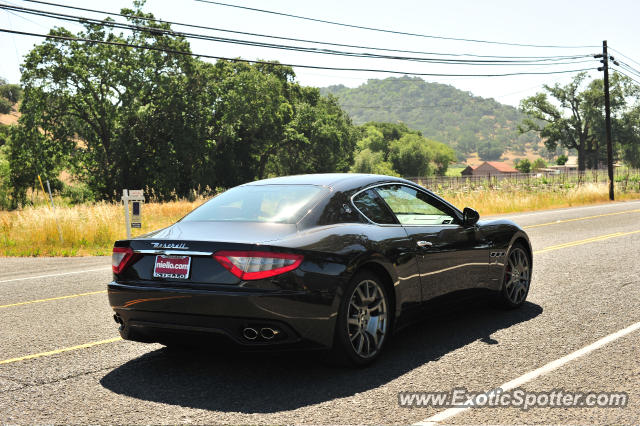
179 246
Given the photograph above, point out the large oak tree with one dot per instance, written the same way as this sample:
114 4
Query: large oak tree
155 116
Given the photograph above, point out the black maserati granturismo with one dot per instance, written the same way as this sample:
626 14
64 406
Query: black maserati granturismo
329 261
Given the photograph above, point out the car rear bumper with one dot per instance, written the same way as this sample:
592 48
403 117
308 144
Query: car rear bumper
159 314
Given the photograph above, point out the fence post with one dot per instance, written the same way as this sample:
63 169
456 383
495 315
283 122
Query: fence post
125 201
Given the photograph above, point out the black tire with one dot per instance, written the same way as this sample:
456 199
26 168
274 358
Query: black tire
373 329
516 279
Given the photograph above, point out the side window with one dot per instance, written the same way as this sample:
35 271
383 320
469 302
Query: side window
370 204
412 207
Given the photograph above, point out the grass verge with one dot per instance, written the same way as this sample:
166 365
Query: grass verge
87 229
498 201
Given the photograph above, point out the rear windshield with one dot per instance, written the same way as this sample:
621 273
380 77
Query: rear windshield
259 203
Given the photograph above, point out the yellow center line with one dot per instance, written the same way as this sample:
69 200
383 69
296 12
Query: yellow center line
585 241
59 351
580 218
52 298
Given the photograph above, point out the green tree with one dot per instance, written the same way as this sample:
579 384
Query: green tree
265 125
414 155
524 166
565 124
395 149
577 121
410 156
538 164
468 142
621 90
319 139
562 160
5 106
443 155
628 130
4 134
367 161
132 117
374 140
5 192
116 117
490 150
393 131
374 144
251 115
11 92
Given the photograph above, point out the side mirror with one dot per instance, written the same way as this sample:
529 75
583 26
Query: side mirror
469 216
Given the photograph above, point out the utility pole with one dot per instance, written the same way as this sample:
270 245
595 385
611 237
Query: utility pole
607 113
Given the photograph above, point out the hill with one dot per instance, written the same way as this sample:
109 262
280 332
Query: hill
441 112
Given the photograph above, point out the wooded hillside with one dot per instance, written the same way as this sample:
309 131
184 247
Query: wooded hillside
465 122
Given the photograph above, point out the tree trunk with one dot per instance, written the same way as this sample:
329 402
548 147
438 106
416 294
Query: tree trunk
581 157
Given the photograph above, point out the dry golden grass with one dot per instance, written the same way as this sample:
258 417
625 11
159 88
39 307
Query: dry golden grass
489 202
91 229
88 229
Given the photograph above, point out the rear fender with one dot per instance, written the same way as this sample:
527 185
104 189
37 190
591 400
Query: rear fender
385 268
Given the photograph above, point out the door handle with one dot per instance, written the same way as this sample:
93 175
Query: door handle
424 244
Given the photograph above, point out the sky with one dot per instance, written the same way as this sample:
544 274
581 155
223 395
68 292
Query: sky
541 22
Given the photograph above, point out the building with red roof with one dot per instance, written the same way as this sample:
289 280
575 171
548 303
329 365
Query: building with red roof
489 168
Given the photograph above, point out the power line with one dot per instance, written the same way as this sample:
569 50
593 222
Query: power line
200 55
153 30
15 46
625 56
629 68
625 74
360 27
532 58
290 38
17 15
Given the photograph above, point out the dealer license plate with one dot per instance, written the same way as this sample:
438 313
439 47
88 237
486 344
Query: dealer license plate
172 267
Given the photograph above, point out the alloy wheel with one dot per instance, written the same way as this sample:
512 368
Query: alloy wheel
367 318
517 276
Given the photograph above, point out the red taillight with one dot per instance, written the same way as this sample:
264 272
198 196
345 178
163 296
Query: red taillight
254 265
120 258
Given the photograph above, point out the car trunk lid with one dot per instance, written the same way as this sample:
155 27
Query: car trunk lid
192 245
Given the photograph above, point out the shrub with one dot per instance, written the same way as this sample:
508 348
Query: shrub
562 160
524 166
5 106
539 164
78 193
12 92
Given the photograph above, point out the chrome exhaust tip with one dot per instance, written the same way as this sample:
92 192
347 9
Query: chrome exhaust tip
268 333
250 333
118 319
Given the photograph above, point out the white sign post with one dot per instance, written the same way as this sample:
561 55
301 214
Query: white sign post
136 196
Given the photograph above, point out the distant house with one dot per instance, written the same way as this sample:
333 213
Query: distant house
489 168
571 164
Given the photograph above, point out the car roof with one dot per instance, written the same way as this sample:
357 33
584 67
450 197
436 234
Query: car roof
333 180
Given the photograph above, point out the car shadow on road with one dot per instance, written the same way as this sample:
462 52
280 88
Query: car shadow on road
272 382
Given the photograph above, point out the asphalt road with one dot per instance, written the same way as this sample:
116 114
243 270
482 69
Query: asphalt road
61 361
